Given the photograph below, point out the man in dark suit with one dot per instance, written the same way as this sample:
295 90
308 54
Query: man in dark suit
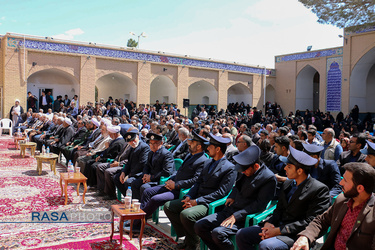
215 182
135 160
66 134
370 153
253 190
114 148
182 149
301 199
325 171
66 101
351 217
45 102
159 163
78 138
93 126
356 143
184 178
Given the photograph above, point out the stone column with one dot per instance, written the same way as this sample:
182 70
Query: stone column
87 80
257 90
14 78
143 82
182 87
222 90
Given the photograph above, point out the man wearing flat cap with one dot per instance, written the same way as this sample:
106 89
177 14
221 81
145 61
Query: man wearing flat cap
114 148
253 190
325 171
184 178
132 162
215 182
160 163
301 199
370 153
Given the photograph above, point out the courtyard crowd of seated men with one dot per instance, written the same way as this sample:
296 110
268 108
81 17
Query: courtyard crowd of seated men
300 170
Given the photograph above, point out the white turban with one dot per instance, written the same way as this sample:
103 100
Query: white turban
68 121
113 129
95 121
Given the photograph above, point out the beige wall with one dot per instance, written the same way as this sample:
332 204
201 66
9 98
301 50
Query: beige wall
86 70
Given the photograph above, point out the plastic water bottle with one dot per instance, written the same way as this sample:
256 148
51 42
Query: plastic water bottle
47 151
27 138
128 198
70 168
43 149
129 192
18 132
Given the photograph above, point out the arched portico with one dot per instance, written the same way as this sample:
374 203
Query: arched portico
270 94
307 89
240 93
202 92
163 89
116 85
362 83
58 81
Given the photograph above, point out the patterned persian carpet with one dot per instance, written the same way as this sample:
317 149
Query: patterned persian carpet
23 191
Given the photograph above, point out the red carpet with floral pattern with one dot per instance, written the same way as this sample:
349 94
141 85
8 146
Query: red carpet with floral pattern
23 191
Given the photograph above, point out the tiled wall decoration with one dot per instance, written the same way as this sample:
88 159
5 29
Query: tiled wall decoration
309 55
115 53
334 83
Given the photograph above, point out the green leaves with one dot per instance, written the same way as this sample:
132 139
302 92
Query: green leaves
352 15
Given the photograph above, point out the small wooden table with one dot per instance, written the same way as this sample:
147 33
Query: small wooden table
17 139
72 178
51 158
127 214
31 145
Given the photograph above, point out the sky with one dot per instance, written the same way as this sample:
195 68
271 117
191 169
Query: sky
244 31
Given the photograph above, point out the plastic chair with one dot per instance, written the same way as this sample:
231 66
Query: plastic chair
171 148
6 124
215 204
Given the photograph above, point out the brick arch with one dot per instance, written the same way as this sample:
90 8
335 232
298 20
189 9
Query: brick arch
117 85
58 70
67 72
309 64
241 83
164 75
237 93
102 73
211 82
114 73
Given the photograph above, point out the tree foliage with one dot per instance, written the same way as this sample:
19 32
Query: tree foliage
132 43
351 15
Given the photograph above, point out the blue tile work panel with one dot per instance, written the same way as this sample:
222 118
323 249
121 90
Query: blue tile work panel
93 51
334 83
364 30
309 55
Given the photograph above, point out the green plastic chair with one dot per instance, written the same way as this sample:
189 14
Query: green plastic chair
163 180
171 148
215 204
